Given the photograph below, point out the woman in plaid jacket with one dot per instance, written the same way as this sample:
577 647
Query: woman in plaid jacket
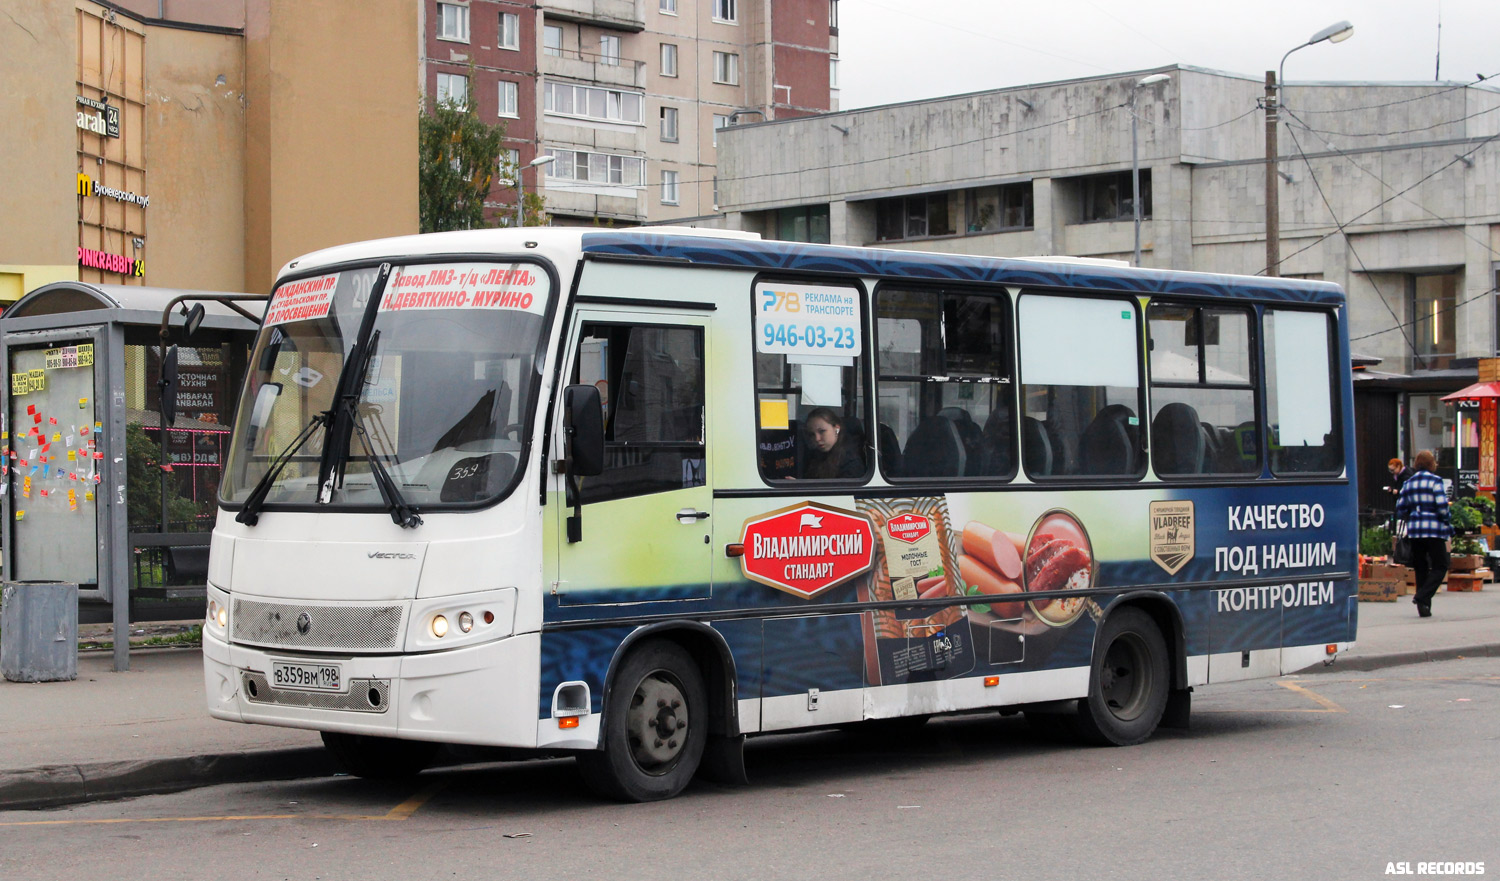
1423 504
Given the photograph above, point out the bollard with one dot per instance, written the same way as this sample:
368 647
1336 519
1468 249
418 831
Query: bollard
39 631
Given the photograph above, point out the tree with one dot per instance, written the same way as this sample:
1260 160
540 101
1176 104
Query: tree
458 158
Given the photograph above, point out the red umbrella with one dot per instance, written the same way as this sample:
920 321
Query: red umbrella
1476 392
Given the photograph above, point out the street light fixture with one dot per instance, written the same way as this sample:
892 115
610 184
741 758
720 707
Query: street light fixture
1334 33
521 187
1135 162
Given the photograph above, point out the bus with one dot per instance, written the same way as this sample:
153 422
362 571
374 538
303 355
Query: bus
636 495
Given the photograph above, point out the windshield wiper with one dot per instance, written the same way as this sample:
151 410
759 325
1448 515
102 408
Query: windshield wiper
250 513
402 513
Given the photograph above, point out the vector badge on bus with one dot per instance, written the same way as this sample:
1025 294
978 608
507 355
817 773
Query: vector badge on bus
807 548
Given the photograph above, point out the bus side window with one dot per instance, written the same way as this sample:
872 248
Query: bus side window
1202 390
812 405
651 379
945 393
1303 434
1081 384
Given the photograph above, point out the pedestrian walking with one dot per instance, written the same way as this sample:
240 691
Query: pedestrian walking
1423 504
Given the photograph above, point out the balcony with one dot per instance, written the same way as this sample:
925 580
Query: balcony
623 204
592 67
620 15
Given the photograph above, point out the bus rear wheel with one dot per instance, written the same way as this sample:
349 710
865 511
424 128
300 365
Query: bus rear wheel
1129 681
379 758
655 726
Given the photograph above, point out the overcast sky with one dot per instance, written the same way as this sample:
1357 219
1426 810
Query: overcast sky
905 50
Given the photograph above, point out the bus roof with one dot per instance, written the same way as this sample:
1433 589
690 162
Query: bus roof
727 248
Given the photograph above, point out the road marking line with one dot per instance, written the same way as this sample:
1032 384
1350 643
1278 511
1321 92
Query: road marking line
1327 705
404 810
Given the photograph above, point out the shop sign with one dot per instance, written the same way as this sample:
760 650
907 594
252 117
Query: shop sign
91 259
87 187
105 120
1487 445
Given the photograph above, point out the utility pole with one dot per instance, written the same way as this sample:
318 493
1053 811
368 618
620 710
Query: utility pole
1273 188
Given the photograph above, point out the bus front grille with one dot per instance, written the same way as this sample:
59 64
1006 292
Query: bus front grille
317 628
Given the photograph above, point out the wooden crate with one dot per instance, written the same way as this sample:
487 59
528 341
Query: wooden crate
1464 562
1465 581
1382 590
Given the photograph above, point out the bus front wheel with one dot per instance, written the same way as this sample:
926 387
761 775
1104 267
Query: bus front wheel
1129 681
379 758
654 728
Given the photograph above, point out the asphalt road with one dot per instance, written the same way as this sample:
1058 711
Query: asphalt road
1331 776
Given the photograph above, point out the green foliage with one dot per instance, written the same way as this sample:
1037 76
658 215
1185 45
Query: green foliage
1466 515
1375 541
143 486
457 160
1463 545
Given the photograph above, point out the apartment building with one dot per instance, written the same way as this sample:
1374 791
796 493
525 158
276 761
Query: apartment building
627 97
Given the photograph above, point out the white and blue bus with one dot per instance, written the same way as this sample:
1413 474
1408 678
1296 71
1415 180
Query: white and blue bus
640 494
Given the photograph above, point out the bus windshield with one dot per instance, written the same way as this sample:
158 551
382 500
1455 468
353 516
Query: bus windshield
452 359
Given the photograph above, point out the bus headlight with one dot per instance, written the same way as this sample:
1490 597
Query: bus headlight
216 621
453 622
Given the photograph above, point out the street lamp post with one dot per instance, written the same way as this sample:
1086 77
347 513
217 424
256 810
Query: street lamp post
521 187
1334 33
1135 162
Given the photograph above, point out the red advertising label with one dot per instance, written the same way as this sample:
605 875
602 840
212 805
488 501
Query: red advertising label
909 528
1487 445
807 548
302 300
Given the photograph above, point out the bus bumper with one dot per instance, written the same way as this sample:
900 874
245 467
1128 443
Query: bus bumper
483 695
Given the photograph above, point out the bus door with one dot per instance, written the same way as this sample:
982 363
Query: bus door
644 521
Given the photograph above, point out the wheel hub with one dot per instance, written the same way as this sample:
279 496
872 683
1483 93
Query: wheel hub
657 723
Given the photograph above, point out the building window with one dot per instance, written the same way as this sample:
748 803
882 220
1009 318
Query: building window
597 168
669 124
510 161
1108 196
1434 300
609 49
726 68
669 187
453 22
833 71
833 16
992 209
610 105
668 7
803 224
552 40
722 121
510 31
914 217
453 89
724 11
668 59
510 98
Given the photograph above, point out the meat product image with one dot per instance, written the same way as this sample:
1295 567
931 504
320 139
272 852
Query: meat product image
1055 564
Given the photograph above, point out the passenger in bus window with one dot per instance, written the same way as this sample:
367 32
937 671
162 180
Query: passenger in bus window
835 449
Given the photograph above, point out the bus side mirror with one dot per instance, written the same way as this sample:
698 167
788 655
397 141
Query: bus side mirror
168 387
193 319
585 430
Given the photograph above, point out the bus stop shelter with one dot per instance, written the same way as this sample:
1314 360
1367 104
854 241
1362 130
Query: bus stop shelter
94 493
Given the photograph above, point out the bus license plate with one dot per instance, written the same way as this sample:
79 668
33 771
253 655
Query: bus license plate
306 677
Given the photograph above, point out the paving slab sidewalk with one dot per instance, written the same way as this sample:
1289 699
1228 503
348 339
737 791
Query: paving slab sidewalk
112 735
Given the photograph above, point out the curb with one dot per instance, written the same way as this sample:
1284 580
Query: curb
1398 659
52 786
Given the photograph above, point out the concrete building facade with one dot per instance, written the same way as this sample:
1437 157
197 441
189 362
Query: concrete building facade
1391 190
210 142
628 95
